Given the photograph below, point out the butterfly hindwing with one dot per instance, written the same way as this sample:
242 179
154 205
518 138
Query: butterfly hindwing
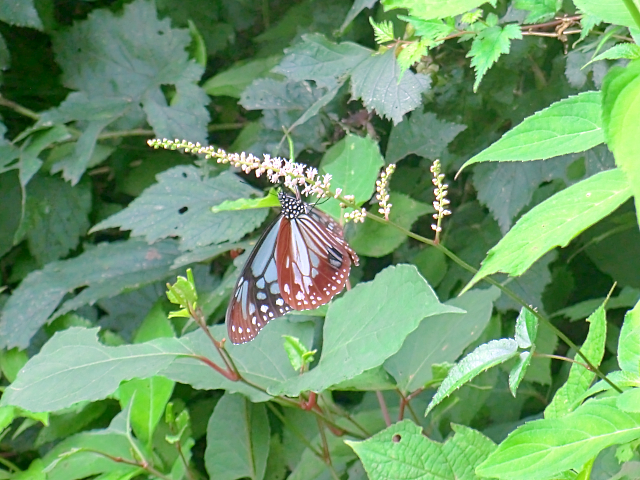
256 297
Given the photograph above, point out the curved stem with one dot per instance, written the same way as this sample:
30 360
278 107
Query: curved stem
5 102
507 291
559 357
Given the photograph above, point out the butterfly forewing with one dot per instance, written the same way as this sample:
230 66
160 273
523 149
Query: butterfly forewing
256 298
313 260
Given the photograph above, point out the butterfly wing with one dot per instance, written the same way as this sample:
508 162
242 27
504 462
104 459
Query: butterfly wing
313 260
256 297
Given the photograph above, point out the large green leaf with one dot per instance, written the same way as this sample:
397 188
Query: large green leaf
402 452
541 449
610 11
570 125
132 56
10 213
233 81
368 325
354 164
262 361
568 396
106 270
620 111
315 58
441 339
376 81
629 346
69 460
238 437
180 204
74 366
21 13
555 222
422 134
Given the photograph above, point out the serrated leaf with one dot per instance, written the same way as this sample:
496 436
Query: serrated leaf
354 164
376 82
620 91
180 205
375 239
441 339
623 50
21 13
488 46
238 438
56 216
97 57
569 396
539 10
297 352
517 183
542 449
411 54
526 328
422 134
356 8
28 161
518 372
428 9
381 314
105 271
555 222
315 58
434 30
482 358
629 343
234 80
402 452
383 31
609 11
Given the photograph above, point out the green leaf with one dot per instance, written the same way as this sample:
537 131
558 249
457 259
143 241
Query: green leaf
543 448
269 200
180 204
354 164
441 339
375 239
518 372
73 366
434 30
526 328
428 9
21 13
627 298
238 438
548 133
29 162
356 8
315 58
71 421
412 53
383 31
422 134
106 270
131 56
11 362
72 459
609 11
629 401
234 80
569 396
539 10
299 355
623 50
183 292
11 211
262 361
376 81
629 343
381 314
56 216
620 91
555 222
488 46
482 358
402 452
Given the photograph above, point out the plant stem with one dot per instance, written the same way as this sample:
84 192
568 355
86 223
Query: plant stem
325 450
506 290
383 408
145 466
559 357
18 108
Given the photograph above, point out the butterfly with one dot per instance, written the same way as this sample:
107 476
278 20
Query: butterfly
300 262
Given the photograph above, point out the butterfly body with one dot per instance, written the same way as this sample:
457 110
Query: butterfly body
300 262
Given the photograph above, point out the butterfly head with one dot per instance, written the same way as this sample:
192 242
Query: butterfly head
292 207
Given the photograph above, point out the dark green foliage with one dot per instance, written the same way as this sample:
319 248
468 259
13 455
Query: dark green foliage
505 346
